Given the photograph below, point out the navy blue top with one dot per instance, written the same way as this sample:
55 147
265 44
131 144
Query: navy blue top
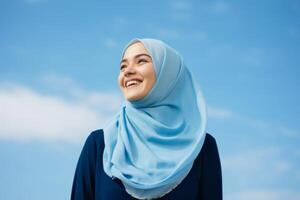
204 181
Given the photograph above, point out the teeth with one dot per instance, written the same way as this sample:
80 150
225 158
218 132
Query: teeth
132 82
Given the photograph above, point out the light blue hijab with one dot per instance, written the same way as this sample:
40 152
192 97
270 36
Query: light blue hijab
151 144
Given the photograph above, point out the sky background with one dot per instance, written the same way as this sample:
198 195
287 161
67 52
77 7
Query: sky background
58 82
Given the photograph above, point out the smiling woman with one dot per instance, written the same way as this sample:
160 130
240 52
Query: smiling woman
156 146
137 75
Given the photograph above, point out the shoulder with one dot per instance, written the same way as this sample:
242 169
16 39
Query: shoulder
95 140
209 140
96 135
209 146
207 152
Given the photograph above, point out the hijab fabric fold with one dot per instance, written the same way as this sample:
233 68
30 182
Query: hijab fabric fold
151 143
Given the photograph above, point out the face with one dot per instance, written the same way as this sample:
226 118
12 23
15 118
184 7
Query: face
137 75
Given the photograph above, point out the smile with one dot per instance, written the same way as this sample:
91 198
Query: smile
132 83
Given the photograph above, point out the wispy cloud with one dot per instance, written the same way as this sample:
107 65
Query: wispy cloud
174 33
182 5
220 7
180 11
116 25
181 16
218 113
29 114
267 160
57 80
69 111
265 165
110 43
254 57
168 33
199 35
65 87
264 127
248 58
265 194
268 127
34 1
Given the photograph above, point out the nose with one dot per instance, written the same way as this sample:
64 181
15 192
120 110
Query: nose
129 71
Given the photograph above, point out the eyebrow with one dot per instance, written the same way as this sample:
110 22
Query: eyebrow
136 56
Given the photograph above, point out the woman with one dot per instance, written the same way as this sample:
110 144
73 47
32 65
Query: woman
156 147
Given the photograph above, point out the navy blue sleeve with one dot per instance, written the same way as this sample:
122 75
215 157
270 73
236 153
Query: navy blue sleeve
210 186
84 178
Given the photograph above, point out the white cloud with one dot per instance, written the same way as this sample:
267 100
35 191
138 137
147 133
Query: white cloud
283 166
70 111
28 114
218 113
269 128
265 194
261 159
261 126
268 165
57 80
289 132
70 89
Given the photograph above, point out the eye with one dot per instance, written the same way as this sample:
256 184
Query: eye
122 67
141 61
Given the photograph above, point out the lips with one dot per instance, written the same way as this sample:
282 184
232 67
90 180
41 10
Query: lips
132 82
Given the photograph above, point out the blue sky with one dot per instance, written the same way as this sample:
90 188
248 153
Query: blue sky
58 70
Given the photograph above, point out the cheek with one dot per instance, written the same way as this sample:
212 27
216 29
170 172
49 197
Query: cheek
151 76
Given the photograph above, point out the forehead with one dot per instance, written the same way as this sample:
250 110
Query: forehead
135 49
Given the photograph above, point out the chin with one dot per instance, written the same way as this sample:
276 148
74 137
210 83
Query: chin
135 94
133 98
